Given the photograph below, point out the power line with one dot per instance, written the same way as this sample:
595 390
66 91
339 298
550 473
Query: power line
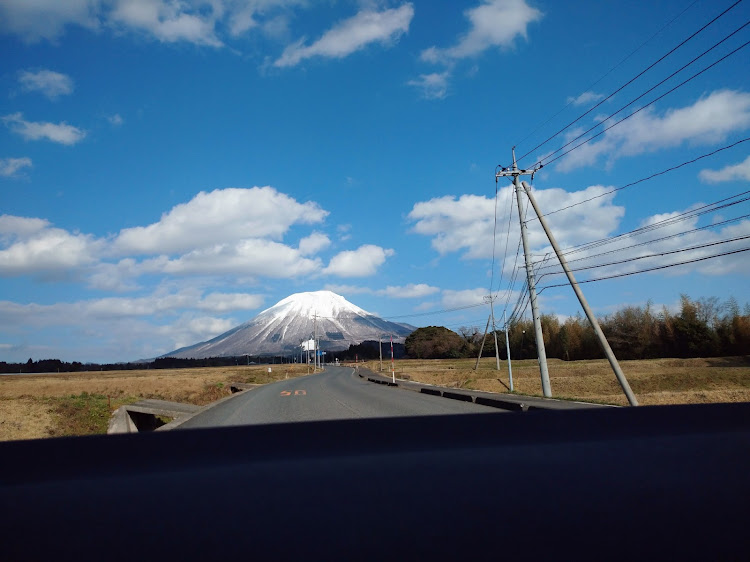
702 210
651 89
724 222
608 72
649 269
656 255
515 263
645 106
494 238
443 311
507 237
652 176
631 80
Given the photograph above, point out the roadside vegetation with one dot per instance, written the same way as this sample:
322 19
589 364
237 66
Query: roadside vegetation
56 405
705 327
654 381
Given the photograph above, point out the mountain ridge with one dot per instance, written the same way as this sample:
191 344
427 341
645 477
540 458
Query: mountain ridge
284 327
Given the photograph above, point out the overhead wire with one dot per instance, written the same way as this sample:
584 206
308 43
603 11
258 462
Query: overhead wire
579 145
494 238
650 256
651 89
704 258
660 59
572 100
699 211
507 237
708 226
647 178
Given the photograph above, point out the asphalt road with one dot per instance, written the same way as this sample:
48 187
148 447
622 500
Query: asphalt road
337 393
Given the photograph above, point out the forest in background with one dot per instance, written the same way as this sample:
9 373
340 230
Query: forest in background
706 327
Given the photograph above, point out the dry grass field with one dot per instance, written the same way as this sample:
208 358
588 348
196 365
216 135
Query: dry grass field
35 406
655 381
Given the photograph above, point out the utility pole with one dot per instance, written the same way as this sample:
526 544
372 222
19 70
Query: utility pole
603 343
380 341
494 333
315 342
507 350
514 172
393 366
484 338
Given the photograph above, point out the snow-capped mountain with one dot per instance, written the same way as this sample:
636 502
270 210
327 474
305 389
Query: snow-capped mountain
284 327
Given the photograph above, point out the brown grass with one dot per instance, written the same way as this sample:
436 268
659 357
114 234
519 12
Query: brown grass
657 381
34 406
24 419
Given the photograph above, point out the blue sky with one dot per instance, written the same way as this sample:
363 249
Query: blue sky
168 169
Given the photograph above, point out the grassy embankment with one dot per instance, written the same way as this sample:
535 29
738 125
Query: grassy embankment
34 406
654 381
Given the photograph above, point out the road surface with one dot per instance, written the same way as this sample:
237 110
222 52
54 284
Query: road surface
337 393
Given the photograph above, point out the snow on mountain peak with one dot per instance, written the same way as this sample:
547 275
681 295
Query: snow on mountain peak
324 304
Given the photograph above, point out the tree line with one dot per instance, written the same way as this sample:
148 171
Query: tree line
56 365
705 327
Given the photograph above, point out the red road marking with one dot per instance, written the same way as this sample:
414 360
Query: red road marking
296 393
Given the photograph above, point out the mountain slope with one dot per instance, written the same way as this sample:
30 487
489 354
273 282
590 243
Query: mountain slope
282 328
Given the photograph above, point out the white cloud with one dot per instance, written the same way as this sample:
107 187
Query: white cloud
168 21
115 120
117 277
224 232
9 167
348 289
21 226
132 328
652 248
200 22
344 232
709 120
433 86
734 172
466 297
46 19
410 291
33 246
252 257
313 244
585 98
56 132
189 329
229 302
362 262
466 224
114 308
494 23
220 217
51 84
352 35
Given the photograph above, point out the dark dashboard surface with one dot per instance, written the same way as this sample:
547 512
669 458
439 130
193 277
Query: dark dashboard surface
651 482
